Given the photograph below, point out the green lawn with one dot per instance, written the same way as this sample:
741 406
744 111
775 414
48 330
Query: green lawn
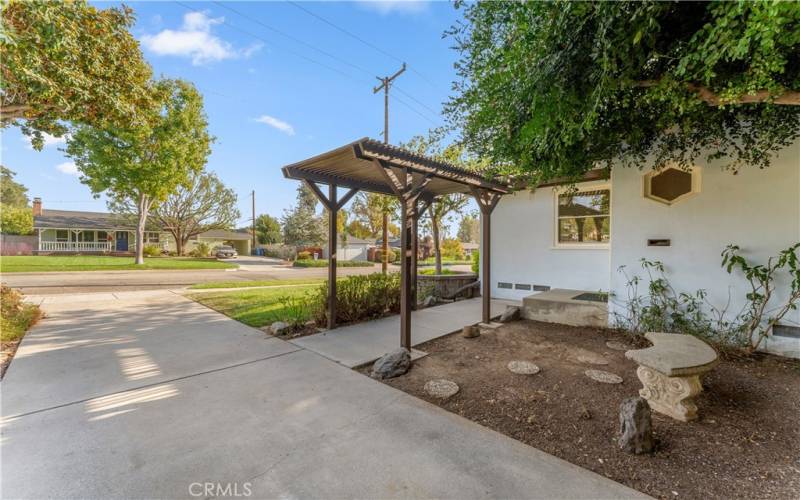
445 262
248 284
47 263
433 271
259 307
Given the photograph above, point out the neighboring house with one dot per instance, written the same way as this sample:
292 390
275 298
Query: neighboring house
71 231
351 249
469 248
549 238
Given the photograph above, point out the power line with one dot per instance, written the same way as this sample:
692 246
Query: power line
356 37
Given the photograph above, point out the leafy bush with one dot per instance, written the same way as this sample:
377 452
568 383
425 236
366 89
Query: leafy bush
202 249
283 252
151 251
16 317
360 298
452 249
476 261
16 220
324 263
662 309
294 310
303 255
393 256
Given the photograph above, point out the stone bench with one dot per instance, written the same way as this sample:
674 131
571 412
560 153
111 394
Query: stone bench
670 372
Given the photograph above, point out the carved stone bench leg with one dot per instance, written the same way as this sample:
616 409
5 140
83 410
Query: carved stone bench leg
671 396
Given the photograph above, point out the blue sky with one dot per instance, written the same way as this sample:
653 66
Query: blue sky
268 104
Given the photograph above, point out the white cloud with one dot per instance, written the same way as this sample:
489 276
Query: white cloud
68 168
385 7
276 124
49 140
195 40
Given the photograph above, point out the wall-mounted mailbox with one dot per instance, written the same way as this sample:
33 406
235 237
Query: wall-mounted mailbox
659 243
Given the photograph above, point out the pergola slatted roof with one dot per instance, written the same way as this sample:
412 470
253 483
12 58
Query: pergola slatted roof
353 166
415 180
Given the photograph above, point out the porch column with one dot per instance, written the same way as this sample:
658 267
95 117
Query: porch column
486 200
332 204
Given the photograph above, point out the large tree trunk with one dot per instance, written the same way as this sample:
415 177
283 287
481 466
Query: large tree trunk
143 205
437 247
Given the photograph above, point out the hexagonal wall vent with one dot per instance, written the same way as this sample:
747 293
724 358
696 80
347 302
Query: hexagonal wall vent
671 185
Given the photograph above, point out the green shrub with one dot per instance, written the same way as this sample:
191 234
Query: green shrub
324 263
283 252
304 255
452 249
16 220
360 298
294 310
393 256
476 261
16 317
202 249
151 251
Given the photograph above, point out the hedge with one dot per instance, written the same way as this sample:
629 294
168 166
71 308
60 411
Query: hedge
324 263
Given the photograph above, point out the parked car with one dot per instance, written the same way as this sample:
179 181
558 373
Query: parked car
225 252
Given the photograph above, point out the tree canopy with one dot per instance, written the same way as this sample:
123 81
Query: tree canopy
12 193
70 62
554 89
144 164
268 230
203 204
301 225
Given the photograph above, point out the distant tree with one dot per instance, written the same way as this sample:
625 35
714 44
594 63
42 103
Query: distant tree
301 224
469 229
12 193
72 62
554 89
202 204
268 230
16 219
376 212
452 249
145 164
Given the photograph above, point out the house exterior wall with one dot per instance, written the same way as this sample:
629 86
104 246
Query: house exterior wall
524 249
353 251
759 210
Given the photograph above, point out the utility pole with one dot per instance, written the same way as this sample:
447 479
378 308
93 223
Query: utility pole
253 194
386 83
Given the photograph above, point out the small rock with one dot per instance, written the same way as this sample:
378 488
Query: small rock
470 332
278 328
635 426
523 368
603 376
310 324
392 364
510 314
441 388
617 345
531 419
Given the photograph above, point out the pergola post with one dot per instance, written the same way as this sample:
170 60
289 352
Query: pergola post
408 190
486 200
332 205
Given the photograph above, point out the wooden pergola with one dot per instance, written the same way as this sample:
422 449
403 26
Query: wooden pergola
370 165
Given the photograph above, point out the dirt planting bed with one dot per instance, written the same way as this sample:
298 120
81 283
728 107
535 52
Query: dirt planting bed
746 443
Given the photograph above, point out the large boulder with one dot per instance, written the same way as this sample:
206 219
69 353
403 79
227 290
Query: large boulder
392 364
510 314
635 426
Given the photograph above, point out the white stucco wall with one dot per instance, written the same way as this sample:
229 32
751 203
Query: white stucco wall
524 250
759 210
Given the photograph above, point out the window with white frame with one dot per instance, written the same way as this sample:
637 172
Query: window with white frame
583 217
151 237
62 235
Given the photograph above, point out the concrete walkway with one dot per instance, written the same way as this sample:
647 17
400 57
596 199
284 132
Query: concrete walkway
149 395
362 343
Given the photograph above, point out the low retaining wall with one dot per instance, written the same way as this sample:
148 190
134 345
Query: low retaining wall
446 285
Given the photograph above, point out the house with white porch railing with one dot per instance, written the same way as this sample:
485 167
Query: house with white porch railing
70 231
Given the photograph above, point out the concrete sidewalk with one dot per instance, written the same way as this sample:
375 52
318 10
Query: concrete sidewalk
362 343
149 395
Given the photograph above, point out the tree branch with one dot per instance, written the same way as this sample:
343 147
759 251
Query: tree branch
787 98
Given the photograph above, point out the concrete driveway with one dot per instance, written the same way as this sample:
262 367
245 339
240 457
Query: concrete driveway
149 395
